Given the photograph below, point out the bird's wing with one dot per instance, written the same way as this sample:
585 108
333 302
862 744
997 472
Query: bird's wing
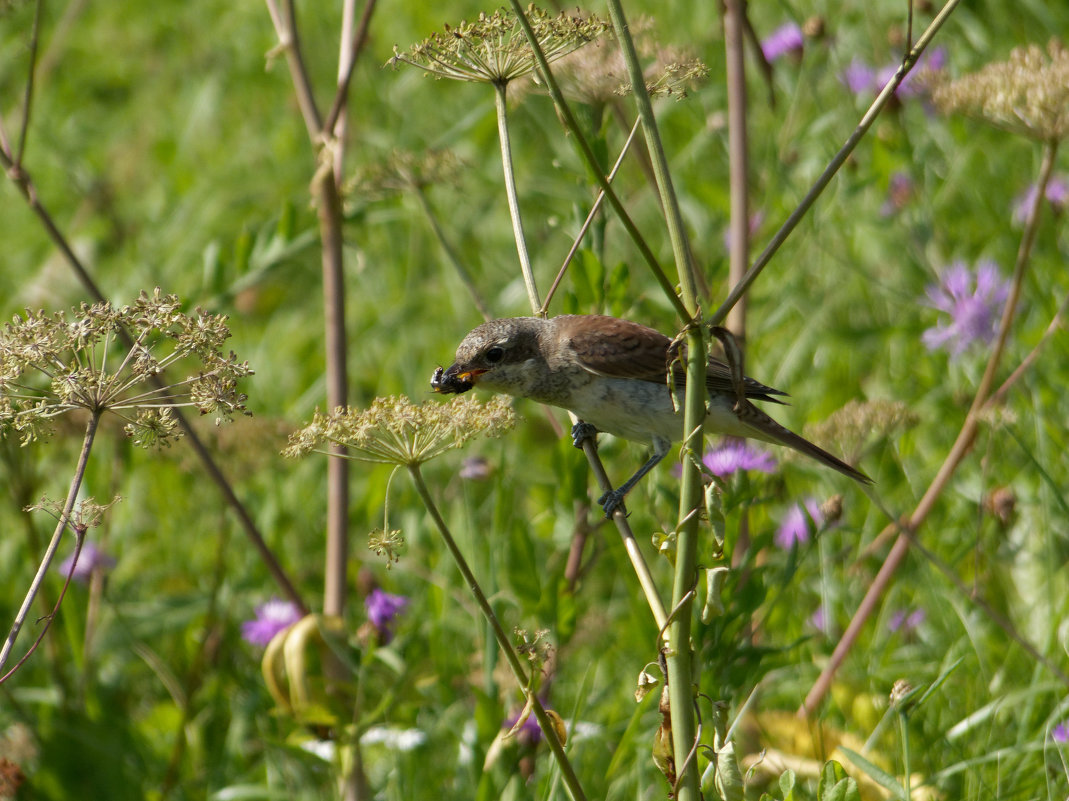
615 348
718 379
618 348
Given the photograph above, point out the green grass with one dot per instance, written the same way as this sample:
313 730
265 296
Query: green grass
170 157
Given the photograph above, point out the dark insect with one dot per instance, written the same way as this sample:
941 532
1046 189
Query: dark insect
449 384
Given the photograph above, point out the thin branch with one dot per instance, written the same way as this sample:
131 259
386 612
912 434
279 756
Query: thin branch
513 200
681 677
27 95
586 223
359 39
570 124
25 184
285 22
840 158
50 552
571 781
958 451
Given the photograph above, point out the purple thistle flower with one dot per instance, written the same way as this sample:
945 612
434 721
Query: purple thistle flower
1060 733
796 528
972 300
735 455
91 558
1057 195
271 618
906 621
859 77
382 608
785 40
863 79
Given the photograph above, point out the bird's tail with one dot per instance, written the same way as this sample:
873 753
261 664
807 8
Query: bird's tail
764 427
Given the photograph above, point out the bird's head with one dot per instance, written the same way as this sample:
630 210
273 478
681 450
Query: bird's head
501 355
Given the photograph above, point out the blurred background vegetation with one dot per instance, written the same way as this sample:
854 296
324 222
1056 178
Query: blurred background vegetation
166 142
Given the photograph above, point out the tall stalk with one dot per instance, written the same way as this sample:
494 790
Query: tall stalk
501 107
53 545
571 781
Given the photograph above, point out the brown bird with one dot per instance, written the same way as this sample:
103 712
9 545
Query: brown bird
613 374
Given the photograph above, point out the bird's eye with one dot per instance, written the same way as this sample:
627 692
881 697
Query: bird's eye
494 355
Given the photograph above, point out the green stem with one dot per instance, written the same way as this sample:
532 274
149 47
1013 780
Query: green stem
571 781
50 552
450 252
681 680
510 192
568 118
903 727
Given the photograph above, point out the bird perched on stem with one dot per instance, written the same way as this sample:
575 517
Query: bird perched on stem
615 376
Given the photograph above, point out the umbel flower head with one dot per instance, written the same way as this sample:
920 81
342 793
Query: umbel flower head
393 430
1026 94
105 359
494 48
596 75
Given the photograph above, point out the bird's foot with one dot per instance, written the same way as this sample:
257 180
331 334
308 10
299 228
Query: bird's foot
611 501
581 432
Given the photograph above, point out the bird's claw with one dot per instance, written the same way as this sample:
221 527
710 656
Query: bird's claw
611 501
581 432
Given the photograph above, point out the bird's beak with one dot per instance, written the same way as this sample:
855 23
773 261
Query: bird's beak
454 379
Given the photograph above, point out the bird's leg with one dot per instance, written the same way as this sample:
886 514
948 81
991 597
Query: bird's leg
614 499
581 432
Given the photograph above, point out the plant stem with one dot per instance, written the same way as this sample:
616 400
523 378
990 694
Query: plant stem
450 252
510 191
570 124
53 545
330 231
586 223
571 781
958 451
738 159
679 657
26 186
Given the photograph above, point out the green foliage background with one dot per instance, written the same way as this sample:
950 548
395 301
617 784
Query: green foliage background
170 156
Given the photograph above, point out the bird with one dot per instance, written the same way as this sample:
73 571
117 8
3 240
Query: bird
613 374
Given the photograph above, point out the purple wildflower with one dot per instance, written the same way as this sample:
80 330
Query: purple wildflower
972 300
819 620
864 79
91 558
1057 195
735 455
859 77
271 618
382 608
906 621
785 40
1060 733
796 528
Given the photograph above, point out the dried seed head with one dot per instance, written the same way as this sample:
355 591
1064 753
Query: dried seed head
1027 94
494 48
395 431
